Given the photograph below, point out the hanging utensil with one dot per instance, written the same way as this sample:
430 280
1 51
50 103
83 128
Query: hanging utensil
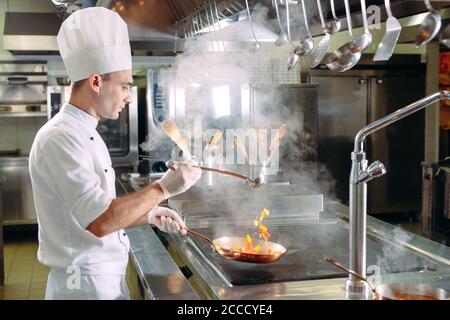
292 58
211 144
321 50
282 37
344 58
256 45
234 248
365 40
306 45
254 183
429 27
335 25
276 141
393 30
241 146
444 38
171 129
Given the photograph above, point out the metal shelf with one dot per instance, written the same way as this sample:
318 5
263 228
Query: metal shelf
24 115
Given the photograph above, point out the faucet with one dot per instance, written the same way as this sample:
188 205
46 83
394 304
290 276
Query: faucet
360 174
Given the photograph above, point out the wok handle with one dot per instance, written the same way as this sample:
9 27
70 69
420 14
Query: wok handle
199 236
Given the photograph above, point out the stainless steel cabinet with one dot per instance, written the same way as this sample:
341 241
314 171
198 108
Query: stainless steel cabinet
17 194
347 103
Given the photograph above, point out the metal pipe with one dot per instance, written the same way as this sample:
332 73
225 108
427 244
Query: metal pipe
395 116
360 174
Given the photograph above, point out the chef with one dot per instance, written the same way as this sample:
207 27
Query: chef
81 222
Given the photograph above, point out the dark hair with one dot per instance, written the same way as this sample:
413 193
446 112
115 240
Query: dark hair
78 84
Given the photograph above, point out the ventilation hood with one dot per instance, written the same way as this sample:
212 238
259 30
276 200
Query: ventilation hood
28 33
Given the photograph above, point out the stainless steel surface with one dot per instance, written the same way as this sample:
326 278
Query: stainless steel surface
393 29
159 276
398 291
358 189
430 264
22 88
373 94
17 194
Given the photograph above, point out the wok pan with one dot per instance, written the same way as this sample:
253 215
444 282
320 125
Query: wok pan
398 291
229 247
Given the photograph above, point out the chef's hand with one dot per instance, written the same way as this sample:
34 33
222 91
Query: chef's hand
166 220
181 179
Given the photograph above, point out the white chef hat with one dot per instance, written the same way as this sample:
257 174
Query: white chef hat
94 41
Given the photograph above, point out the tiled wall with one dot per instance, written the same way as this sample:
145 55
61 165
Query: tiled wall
19 133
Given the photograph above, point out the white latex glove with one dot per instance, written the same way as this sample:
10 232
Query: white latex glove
181 179
166 220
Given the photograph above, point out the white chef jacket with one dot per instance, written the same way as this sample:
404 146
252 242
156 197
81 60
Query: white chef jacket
73 184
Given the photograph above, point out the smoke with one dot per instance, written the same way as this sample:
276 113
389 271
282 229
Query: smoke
211 89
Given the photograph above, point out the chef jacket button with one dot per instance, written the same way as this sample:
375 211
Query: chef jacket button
106 170
92 138
124 234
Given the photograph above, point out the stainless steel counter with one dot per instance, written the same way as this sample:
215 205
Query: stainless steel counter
405 257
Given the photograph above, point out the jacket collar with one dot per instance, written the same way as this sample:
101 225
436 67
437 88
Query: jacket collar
80 115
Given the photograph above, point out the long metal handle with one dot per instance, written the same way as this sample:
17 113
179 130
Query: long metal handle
233 174
349 19
288 20
333 10
387 4
199 236
322 20
364 14
275 3
429 6
395 116
305 17
172 164
250 20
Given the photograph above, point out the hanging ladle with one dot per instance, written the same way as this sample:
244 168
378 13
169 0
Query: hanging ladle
306 46
429 27
254 183
345 57
256 45
283 37
324 44
292 58
335 25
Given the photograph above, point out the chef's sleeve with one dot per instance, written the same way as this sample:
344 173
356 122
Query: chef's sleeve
72 170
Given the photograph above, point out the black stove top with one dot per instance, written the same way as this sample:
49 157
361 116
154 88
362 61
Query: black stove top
307 246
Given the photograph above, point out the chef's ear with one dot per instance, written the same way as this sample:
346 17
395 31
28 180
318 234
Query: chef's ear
96 82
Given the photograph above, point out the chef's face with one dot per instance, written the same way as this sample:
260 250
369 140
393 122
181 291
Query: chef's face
115 94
